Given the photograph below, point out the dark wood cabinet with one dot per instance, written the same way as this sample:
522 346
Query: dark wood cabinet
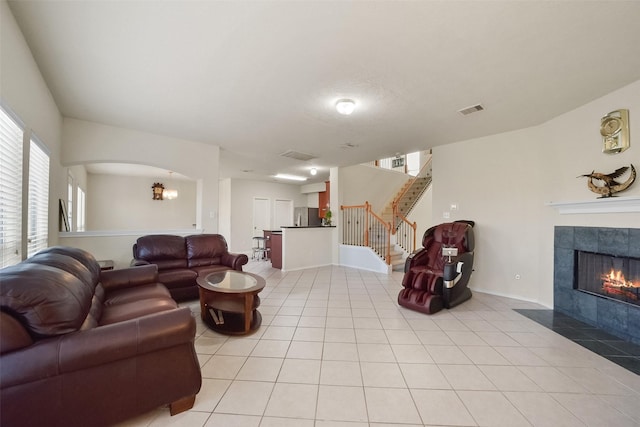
276 250
323 200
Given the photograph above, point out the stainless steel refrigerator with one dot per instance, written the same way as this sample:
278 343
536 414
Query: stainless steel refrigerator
305 217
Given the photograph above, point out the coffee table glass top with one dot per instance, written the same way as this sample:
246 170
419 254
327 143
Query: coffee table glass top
231 281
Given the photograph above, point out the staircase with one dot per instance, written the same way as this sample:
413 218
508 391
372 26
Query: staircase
397 258
363 227
404 200
396 255
409 194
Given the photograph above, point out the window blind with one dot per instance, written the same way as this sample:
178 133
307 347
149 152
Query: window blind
38 199
10 190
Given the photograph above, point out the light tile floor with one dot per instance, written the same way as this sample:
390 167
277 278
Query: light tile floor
336 350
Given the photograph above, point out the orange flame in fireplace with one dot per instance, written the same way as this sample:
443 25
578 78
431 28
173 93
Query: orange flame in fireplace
614 282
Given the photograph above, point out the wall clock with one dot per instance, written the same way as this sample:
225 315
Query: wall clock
614 128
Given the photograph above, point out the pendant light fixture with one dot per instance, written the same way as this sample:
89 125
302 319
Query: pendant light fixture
169 193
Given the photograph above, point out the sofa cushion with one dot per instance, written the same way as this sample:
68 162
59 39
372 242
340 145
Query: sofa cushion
207 269
66 263
132 310
49 301
82 256
166 251
177 277
205 249
137 293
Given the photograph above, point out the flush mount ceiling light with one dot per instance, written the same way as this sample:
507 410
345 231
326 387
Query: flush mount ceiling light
291 177
345 106
313 171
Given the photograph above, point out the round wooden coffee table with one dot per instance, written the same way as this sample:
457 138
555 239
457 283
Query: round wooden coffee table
229 301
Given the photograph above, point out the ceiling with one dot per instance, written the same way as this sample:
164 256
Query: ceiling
262 78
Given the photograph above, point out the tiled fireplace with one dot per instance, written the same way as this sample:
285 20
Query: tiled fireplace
611 303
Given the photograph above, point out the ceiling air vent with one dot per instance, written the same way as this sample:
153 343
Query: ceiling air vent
472 109
298 155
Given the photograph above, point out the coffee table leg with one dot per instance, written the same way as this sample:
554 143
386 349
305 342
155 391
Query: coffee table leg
202 306
248 299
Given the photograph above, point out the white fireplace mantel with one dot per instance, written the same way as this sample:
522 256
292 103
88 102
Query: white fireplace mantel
607 205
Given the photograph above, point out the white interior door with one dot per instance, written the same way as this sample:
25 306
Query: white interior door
261 216
283 214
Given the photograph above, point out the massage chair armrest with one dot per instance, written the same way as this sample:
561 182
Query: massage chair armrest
129 277
455 269
417 257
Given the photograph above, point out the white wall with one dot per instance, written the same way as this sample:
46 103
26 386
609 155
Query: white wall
87 142
125 203
242 194
362 183
23 89
503 182
224 221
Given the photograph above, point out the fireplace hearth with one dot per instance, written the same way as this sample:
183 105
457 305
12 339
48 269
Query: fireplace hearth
607 260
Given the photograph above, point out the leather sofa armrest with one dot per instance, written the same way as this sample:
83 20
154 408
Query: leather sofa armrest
235 261
105 344
138 262
14 336
98 346
128 277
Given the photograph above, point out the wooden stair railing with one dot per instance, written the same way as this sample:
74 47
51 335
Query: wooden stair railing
404 230
405 233
362 227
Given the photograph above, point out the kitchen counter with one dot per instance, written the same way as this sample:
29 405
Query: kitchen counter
311 226
296 248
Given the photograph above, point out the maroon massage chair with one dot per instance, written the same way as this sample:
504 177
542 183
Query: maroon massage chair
437 275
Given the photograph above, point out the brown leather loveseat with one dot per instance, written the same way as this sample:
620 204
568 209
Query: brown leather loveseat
181 260
84 347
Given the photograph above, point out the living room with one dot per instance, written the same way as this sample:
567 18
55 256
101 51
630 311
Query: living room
504 180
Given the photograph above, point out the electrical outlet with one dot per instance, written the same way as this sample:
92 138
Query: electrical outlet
446 215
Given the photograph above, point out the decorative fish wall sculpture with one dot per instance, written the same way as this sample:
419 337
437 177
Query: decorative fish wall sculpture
606 185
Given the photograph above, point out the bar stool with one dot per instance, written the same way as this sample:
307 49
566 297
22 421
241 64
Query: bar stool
259 251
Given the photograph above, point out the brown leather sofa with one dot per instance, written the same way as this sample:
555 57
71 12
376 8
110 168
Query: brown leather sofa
181 260
84 347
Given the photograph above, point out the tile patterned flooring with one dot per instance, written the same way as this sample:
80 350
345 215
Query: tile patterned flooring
625 354
336 350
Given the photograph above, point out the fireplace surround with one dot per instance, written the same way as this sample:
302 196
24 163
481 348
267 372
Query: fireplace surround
617 317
